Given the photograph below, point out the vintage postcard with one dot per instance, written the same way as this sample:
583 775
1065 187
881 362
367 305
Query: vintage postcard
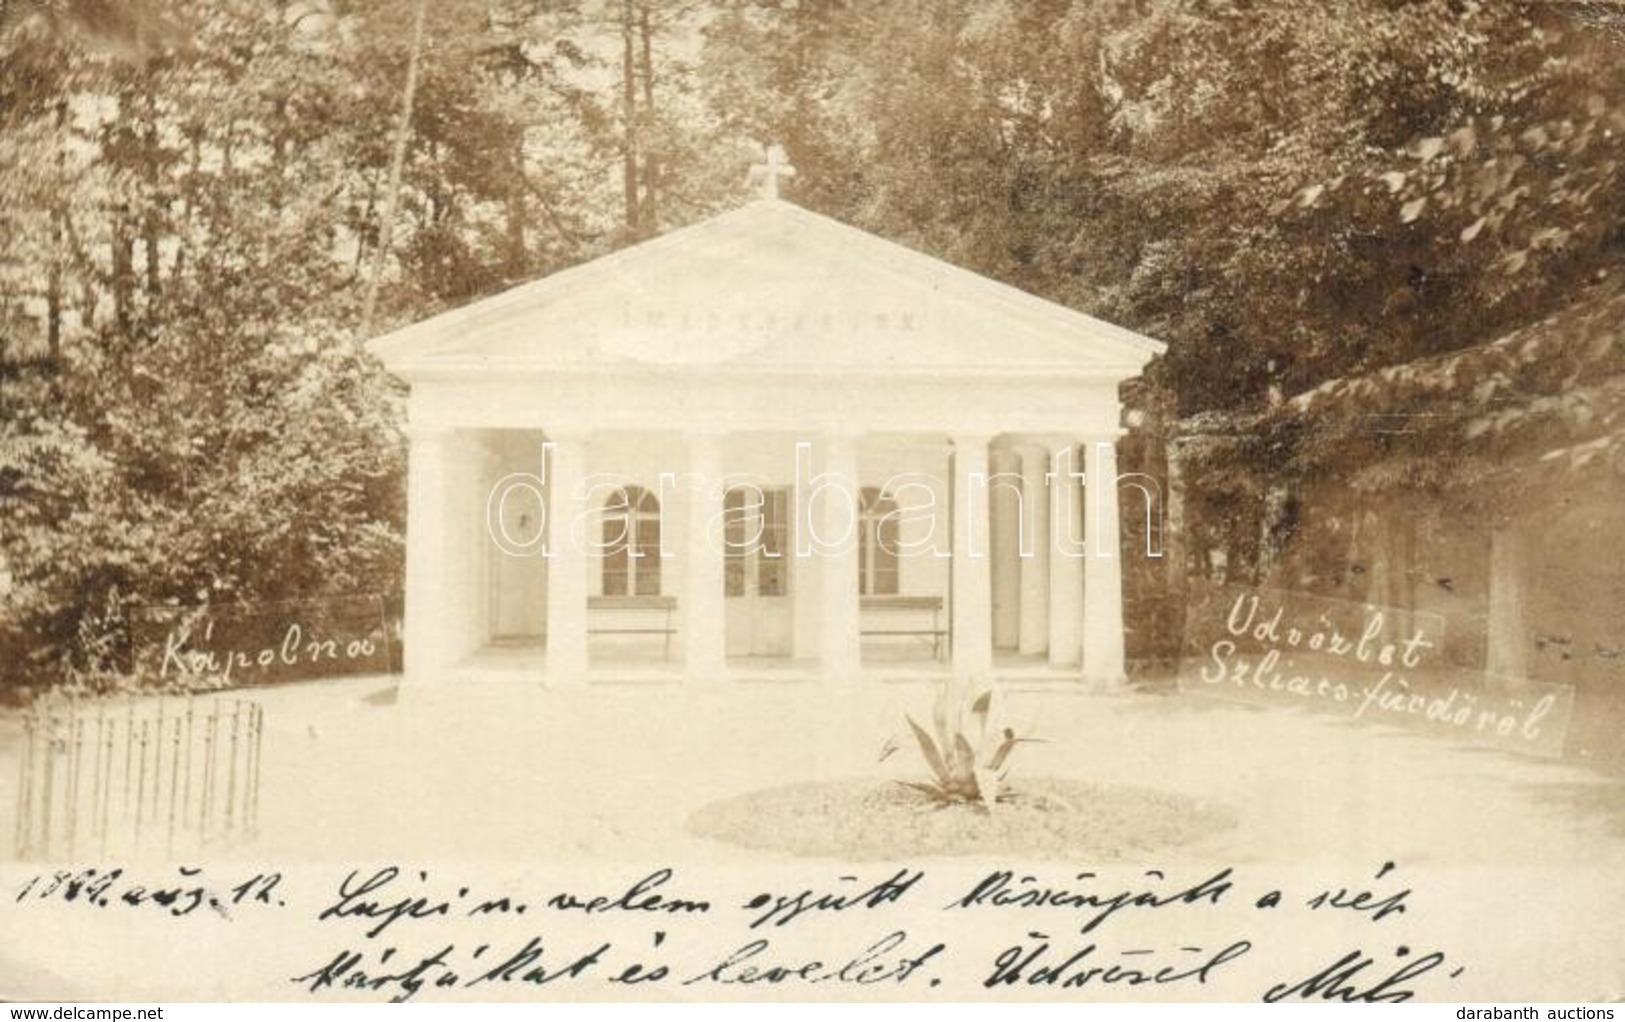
652 501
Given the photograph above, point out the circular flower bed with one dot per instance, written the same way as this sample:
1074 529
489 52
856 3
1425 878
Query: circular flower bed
870 819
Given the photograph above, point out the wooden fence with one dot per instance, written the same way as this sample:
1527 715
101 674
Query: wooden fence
137 776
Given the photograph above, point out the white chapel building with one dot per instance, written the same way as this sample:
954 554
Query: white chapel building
768 445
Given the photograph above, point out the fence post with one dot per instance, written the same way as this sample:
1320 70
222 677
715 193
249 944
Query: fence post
72 736
206 800
141 789
47 792
186 784
231 766
174 784
25 794
259 759
96 777
157 757
129 750
107 779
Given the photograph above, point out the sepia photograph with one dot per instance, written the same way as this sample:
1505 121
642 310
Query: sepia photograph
813 500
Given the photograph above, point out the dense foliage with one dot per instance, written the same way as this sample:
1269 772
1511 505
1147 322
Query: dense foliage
192 196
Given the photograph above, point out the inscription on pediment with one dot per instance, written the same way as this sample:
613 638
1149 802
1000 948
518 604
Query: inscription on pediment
699 319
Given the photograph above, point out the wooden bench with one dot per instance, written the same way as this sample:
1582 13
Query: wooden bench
633 615
904 607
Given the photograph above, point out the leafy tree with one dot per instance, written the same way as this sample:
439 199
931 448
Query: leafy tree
1241 180
202 426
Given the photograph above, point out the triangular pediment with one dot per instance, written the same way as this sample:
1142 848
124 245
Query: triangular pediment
769 286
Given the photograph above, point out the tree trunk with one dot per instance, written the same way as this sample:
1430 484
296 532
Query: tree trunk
189 213
89 294
1272 532
1506 660
397 159
366 218
1402 579
1173 529
149 221
53 281
1371 552
651 163
123 270
518 215
629 113
434 211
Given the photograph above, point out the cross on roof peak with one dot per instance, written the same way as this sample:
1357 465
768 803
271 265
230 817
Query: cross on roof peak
764 177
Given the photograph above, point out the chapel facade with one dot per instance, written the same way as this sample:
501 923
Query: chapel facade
768 445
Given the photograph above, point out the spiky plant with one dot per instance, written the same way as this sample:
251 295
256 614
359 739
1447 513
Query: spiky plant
966 750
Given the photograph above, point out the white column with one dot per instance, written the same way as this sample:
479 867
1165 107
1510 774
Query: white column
1066 556
840 644
704 609
1004 547
484 559
467 590
972 577
1035 551
1103 572
428 507
806 583
566 561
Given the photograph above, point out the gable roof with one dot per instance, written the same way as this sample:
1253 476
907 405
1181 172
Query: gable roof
768 286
